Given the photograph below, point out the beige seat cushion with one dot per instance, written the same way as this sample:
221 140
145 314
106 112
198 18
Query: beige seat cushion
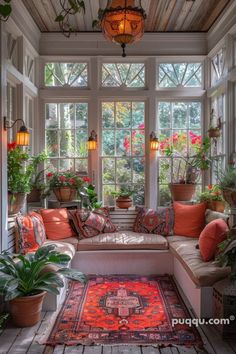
202 273
62 247
123 240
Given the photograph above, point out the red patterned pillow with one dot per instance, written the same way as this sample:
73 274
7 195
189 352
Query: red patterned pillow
30 232
92 223
160 222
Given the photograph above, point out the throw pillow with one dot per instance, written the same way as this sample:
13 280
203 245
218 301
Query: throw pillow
211 215
57 223
213 234
189 219
30 232
158 222
92 223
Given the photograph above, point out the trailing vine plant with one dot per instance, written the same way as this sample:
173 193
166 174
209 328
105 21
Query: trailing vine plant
5 10
69 7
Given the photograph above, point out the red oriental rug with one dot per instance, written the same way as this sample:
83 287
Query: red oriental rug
118 309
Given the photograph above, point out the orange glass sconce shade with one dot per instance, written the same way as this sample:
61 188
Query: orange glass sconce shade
22 136
154 142
92 141
122 21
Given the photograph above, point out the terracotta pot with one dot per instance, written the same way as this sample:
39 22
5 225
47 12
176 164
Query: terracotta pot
16 202
216 205
214 133
182 191
124 202
64 194
34 196
229 196
26 310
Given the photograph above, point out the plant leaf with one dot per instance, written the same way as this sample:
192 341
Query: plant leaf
59 18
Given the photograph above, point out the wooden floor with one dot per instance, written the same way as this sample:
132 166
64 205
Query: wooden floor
25 340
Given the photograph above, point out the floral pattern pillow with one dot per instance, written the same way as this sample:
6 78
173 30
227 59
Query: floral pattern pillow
160 222
92 223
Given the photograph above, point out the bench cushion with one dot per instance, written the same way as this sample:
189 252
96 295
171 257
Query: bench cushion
202 273
62 247
123 240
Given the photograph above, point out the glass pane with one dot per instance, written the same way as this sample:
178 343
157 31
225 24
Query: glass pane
52 143
108 116
122 142
138 115
180 75
123 171
51 165
67 143
165 141
67 116
108 143
164 195
138 142
123 114
164 171
138 170
108 172
139 195
180 143
66 165
81 166
81 115
108 199
164 115
179 115
123 75
195 115
81 138
51 116
66 74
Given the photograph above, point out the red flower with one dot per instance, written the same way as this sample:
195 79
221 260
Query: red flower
210 186
87 179
11 146
71 181
126 143
62 178
49 175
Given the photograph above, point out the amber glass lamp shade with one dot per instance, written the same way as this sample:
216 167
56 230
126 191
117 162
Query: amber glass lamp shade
23 137
92 141
154 142
123 21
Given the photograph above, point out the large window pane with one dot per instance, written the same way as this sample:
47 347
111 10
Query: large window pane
66 74
173 75
123 75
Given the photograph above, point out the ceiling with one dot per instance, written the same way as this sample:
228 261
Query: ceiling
162 15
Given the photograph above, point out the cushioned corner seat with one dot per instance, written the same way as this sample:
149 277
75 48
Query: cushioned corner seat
65 246
123 240
201 273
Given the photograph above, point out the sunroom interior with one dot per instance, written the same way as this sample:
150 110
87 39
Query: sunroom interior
133 122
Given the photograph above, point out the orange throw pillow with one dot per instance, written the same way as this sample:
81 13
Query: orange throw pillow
213 234
189 219
57 224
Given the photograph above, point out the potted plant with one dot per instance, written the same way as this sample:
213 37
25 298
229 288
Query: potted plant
65 185
89 196
24 281
185 177
20 168
123 197
213 197
227 183
227 253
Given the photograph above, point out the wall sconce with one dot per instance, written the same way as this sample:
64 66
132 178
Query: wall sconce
154 142
22 136
92 141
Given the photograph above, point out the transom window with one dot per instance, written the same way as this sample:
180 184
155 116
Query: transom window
123 75
123 149
66 74
66 129
180 75
179 127
218 66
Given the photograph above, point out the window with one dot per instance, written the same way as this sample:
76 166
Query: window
218 144
179 75
179 127
218 66
123 75
12 50
66 128
66 74
29 120
11 110
123 149
29 67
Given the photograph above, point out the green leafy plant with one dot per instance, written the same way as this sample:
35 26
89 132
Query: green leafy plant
25 275
227 255
5 10
65 179
211 193
124 191
227 178
91 198
3 320
68 8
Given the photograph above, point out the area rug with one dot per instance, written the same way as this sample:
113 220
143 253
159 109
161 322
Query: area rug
118 309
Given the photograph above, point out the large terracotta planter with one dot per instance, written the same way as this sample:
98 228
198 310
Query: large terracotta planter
26 311
182 191
124 202
34 196
216 205
229 196
64 194
16 202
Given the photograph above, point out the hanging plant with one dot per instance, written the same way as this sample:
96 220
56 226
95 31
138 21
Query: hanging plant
215 127
5 10
69 7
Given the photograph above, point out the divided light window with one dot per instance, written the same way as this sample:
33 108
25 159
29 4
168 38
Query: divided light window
179 75
66 134
218 66
123 75
180 128
123 149
66 74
